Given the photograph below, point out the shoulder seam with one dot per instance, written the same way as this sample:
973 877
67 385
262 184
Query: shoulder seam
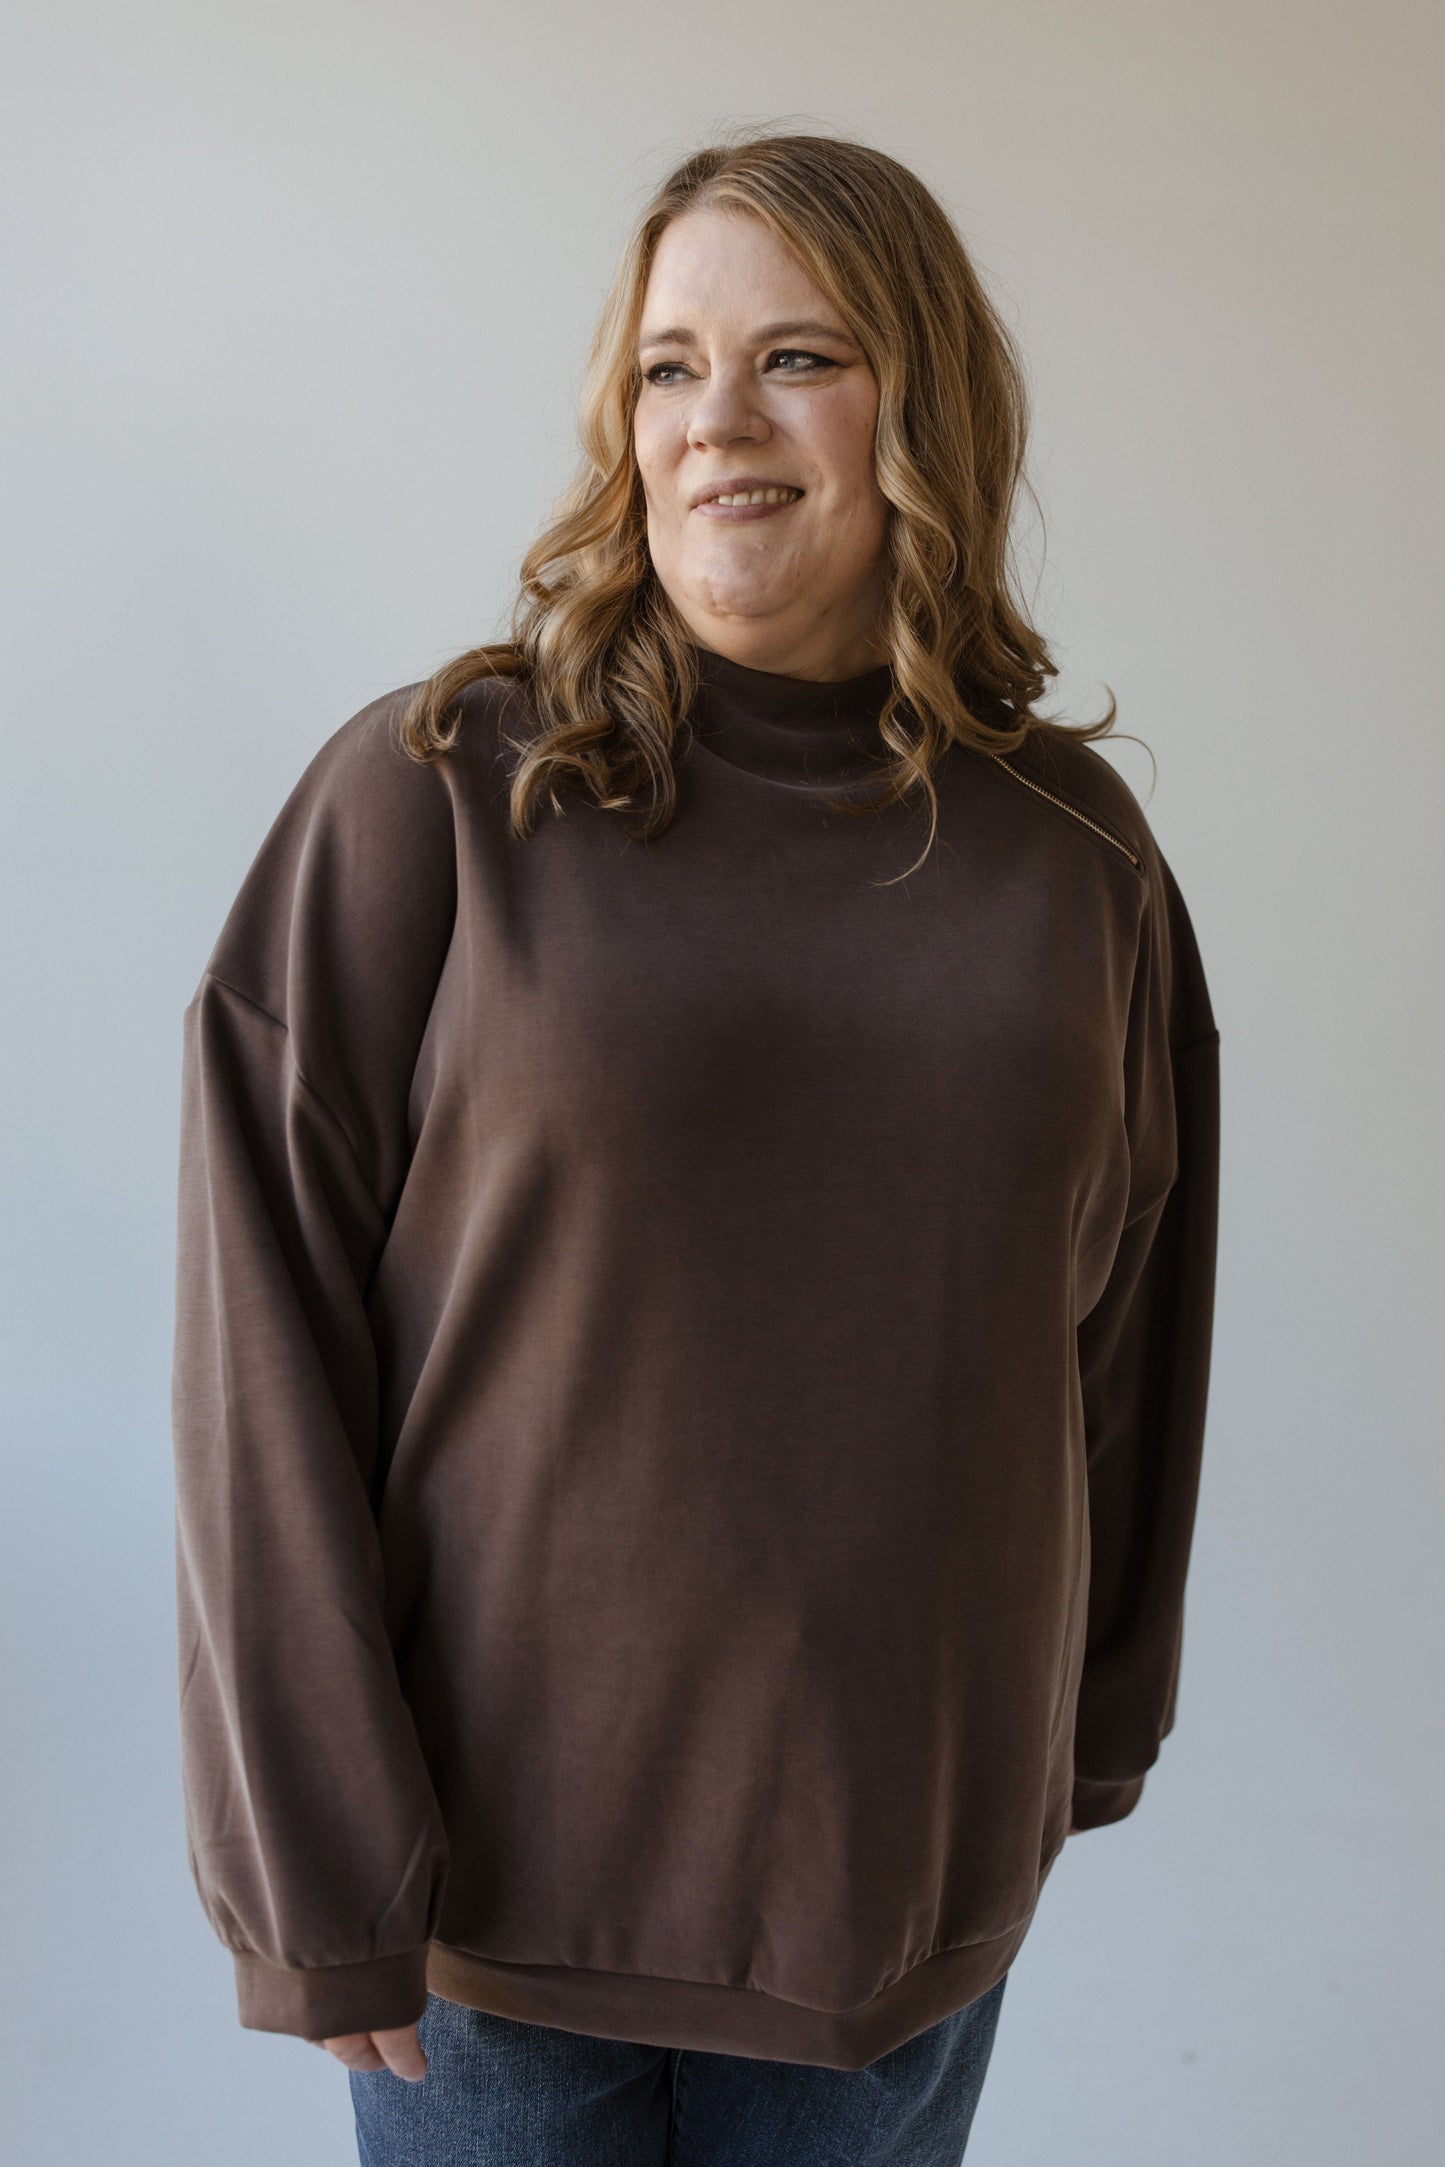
305 1082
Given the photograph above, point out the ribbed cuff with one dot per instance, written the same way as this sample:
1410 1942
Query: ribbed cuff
324 2001
1097 1804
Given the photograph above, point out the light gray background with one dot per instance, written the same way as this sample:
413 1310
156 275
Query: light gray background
295 298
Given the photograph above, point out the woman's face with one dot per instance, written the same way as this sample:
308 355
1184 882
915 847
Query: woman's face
750 378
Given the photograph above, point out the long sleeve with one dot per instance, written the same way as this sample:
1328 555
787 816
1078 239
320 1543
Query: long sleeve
1144 1358
314 1835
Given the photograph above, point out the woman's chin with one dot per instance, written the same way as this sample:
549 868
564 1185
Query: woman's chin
756 595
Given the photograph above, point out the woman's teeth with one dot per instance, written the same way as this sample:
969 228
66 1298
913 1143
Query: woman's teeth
759 496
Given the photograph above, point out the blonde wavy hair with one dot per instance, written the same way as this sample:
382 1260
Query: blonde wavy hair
610 666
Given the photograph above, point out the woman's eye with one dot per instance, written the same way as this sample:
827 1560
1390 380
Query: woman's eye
659 371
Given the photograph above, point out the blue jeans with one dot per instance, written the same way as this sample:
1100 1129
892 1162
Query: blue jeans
501 2093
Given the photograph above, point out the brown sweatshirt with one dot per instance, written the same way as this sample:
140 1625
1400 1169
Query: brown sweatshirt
690 1376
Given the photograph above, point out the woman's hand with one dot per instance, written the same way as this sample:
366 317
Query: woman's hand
399 2050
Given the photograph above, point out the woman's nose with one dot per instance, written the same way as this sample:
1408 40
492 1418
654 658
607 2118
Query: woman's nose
725 411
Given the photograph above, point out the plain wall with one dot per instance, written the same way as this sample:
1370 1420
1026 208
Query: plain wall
295 303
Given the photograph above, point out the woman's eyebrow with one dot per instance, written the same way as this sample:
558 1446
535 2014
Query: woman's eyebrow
679 334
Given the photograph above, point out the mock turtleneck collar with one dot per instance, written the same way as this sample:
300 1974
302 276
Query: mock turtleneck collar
801 731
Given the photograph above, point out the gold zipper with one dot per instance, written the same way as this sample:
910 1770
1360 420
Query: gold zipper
1029 784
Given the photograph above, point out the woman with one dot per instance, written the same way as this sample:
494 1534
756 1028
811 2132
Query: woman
697 1222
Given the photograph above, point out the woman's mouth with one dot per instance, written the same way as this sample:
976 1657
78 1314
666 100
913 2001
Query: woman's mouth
746 504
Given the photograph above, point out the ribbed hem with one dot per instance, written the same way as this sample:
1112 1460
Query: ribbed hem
726 2019
324 2001
1096 1804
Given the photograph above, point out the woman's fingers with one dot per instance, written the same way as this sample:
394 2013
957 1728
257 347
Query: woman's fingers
399 2050
354 2049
